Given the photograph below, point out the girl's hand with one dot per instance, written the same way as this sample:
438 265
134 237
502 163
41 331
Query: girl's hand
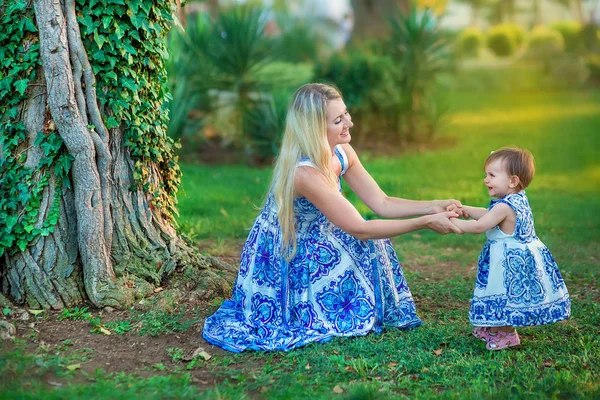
441 223
459 210
439 206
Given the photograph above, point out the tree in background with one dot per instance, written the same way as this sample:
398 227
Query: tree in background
88 176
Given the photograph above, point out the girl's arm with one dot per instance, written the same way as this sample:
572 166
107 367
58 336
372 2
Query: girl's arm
475 212
311 184
365 187
490 219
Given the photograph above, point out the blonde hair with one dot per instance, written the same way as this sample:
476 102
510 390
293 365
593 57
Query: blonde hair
517 162
305 135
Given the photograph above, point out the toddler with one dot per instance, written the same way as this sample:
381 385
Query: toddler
518 282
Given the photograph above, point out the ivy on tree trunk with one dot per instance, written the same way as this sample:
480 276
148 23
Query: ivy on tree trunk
88 176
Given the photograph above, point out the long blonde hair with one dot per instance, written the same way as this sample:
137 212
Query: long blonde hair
305 135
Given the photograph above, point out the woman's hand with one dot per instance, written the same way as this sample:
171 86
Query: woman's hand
438 206
462 212
441 223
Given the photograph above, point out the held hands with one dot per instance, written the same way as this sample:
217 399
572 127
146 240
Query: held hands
438 206
459 210
441 223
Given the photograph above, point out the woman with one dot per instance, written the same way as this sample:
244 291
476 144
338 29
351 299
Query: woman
311 268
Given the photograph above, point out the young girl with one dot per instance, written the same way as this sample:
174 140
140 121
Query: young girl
518 282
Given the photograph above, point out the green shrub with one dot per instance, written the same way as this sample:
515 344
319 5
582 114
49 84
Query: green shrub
590 36
470 41
501 40
517 32
544 43
593 64
369 85
571 34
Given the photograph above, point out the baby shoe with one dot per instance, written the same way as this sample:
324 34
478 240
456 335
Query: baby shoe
502 340
481 332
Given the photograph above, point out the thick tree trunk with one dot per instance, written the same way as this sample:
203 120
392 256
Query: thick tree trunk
108 235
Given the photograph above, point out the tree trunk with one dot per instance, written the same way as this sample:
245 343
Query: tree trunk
110 241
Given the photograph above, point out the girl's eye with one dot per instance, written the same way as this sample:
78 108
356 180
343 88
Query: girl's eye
337 121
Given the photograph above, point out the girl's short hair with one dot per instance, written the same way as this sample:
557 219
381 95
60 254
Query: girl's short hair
516 161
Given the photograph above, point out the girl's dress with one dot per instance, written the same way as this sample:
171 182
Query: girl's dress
335 285
518 282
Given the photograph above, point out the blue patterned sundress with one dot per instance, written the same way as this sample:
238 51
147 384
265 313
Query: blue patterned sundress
518 282
335 285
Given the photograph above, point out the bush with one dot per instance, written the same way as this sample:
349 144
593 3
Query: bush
545 43
590 36
470 41
571 34
370 88
593 64
501 40
517 32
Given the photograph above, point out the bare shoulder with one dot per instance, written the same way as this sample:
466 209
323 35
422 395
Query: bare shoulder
306 176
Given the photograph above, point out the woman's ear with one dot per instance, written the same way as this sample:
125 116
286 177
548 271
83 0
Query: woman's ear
514 181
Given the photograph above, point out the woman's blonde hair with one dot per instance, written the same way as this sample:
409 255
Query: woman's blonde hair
305 135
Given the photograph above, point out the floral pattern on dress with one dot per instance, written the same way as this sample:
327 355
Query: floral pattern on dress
483 266
521 277
551 269
345 304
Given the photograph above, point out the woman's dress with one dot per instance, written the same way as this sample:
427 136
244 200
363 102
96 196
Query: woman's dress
335 285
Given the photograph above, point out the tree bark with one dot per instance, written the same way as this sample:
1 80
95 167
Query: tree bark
108 235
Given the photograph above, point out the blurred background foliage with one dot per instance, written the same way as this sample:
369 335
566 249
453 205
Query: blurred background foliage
235 64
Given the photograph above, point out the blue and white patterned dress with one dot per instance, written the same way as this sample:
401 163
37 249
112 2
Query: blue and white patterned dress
518 282
335 285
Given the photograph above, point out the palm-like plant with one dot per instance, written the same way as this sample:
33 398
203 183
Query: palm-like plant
422 53
223 68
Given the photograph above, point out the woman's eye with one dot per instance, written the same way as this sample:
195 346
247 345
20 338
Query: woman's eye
337 121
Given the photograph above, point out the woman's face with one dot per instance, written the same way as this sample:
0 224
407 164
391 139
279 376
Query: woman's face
339 123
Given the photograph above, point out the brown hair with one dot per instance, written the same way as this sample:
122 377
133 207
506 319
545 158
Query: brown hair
517 162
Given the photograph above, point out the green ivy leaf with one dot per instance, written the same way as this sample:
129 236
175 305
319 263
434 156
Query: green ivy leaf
21 85
22 244
99 39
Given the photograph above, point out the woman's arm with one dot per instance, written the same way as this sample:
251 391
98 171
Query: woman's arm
491 218
365 187
311 184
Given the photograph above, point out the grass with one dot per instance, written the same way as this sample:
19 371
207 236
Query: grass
439 359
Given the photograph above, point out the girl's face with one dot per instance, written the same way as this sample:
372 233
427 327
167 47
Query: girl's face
339 123
497 180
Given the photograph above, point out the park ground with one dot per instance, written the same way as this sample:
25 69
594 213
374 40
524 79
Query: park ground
149 352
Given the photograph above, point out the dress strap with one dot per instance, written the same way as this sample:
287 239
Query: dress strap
305 162
341 154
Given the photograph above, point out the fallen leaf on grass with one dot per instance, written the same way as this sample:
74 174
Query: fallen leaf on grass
224 212
338 389
104 330
307 366
73 367
438 352
199 352
36 312
158 289
392 364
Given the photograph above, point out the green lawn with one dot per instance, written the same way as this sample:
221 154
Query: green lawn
440 359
